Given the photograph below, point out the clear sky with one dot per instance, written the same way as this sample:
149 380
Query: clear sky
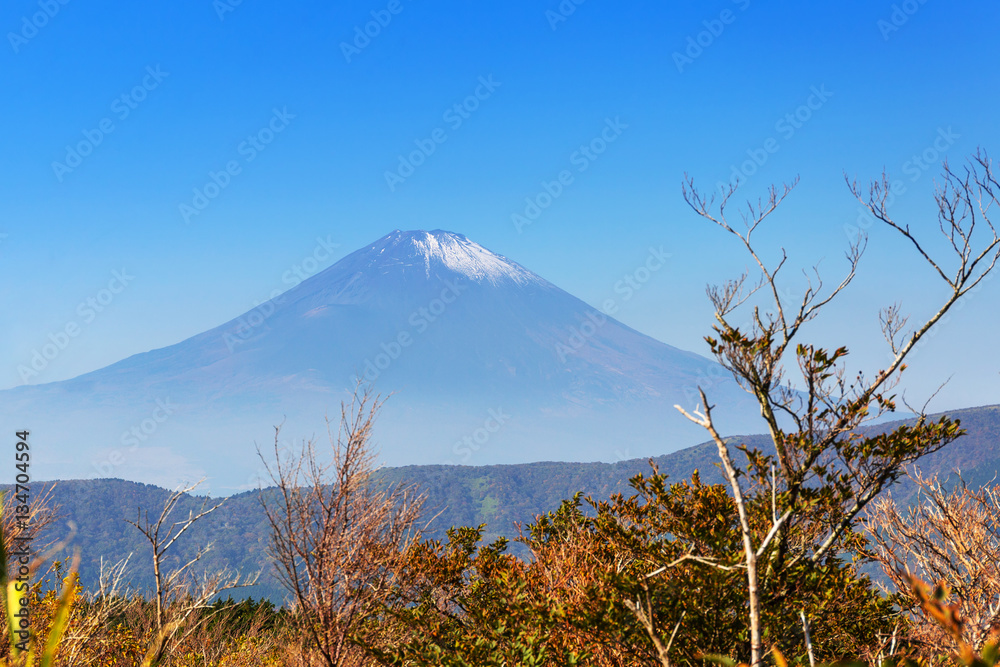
201 148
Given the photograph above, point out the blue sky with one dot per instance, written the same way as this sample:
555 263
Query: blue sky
184 86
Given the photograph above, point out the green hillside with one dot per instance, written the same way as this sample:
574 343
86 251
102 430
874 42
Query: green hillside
499 496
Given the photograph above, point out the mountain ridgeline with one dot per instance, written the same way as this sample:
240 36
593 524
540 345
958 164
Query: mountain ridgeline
499 496
485 361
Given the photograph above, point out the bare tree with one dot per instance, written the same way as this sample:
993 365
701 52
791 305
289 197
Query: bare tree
950 538
113 598
24 523
821 458
180 592
338 532
642 609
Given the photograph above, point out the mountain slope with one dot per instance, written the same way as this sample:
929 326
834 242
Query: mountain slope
486 363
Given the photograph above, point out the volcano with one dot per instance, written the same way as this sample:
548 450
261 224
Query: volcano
482 361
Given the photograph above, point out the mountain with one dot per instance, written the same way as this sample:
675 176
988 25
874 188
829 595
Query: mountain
485 361
497 495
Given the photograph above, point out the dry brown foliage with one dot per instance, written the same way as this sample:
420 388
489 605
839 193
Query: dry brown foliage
952 538
339 534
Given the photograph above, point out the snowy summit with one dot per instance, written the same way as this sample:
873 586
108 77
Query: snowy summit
439 249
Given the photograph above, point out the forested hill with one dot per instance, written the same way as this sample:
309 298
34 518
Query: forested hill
498 496
502 495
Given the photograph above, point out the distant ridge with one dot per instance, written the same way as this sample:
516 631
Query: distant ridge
498 496
486 362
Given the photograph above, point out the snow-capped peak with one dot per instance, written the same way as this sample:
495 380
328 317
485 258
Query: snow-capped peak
454 252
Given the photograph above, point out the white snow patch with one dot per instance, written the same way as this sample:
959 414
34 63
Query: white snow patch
461 255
